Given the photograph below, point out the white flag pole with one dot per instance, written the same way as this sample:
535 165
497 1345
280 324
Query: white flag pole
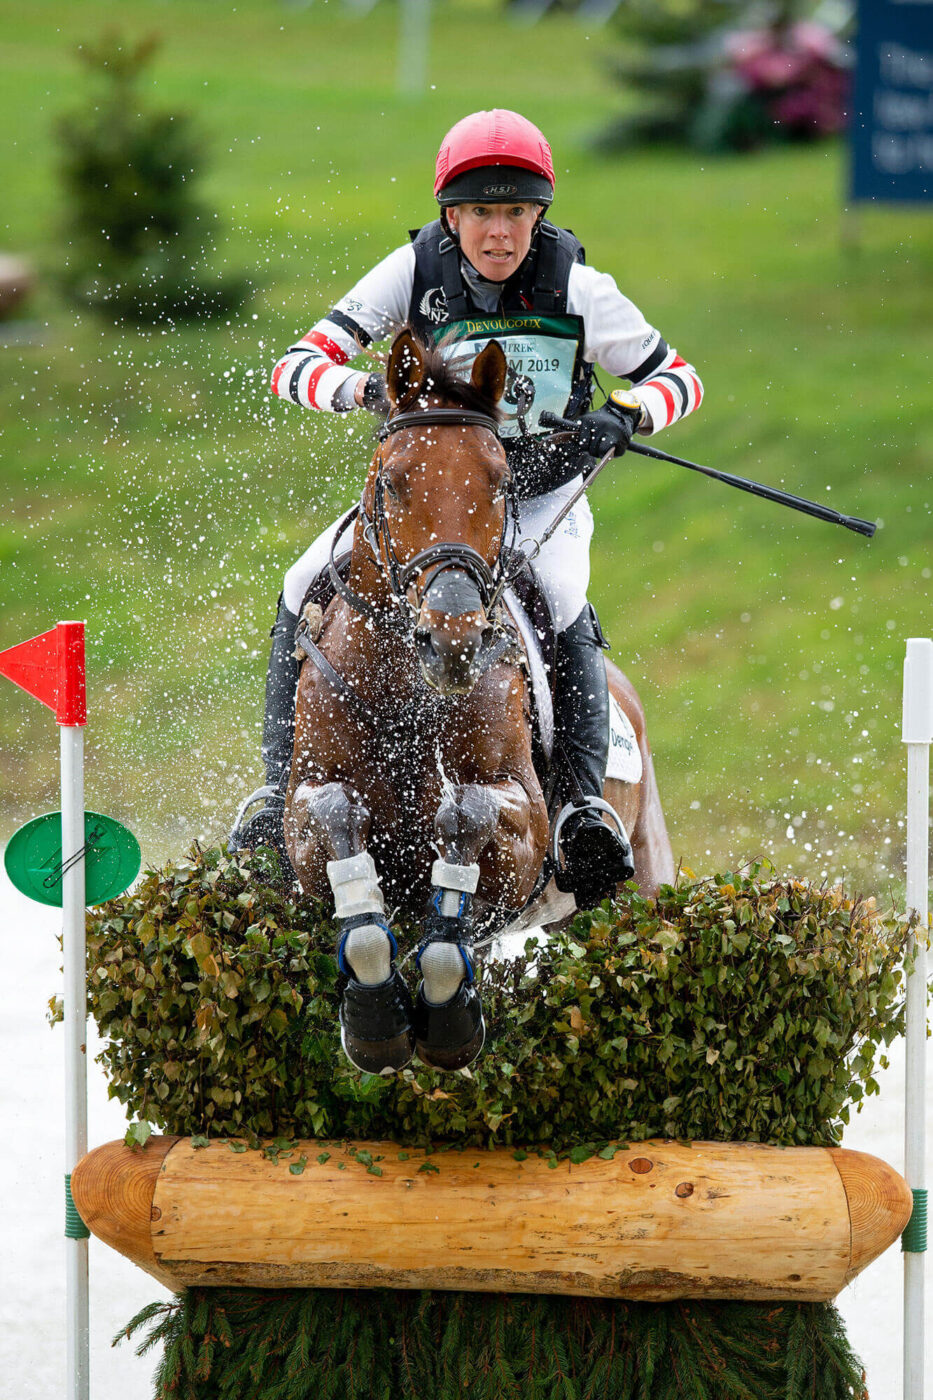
71 714
917 733
50 668
75 1015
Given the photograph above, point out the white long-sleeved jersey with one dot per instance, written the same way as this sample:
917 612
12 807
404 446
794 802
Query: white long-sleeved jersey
315 372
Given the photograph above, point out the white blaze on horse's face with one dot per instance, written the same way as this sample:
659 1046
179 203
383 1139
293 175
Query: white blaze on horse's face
495 238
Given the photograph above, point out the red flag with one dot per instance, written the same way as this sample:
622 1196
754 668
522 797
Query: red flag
51 668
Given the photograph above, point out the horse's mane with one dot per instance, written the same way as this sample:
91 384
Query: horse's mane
445 379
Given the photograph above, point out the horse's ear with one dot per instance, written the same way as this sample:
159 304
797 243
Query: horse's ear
405 373
489 372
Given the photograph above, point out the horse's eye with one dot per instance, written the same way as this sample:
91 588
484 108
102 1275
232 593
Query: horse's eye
391 489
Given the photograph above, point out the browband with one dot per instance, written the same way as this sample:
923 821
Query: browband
454 417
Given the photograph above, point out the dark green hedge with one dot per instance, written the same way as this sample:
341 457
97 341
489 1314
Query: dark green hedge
734 1008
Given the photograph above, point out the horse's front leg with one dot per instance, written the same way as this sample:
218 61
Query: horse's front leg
472 817
329 821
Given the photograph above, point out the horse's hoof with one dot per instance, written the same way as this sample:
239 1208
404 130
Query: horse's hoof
376 1024
451 1035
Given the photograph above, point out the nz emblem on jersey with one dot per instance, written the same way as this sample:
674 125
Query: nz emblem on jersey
434 305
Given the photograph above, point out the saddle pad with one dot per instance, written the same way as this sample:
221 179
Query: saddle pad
624 754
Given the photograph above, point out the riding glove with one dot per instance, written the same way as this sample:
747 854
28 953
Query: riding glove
610 428
375 398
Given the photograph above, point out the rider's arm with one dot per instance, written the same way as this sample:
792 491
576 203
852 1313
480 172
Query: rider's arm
314 372
620 340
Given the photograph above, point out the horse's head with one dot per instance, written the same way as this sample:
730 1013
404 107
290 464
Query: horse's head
439 486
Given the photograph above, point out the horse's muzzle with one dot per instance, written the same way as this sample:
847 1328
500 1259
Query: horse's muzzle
450 654
449 635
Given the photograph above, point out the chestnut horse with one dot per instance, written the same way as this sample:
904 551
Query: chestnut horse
413 733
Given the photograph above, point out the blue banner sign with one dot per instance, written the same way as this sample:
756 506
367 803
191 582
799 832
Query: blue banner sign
892 122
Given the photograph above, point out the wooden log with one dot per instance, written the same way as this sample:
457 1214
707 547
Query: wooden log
660 1220
116 1185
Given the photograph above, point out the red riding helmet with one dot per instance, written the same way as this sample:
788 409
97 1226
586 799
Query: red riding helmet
495 157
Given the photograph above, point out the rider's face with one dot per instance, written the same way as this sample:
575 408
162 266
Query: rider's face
495 238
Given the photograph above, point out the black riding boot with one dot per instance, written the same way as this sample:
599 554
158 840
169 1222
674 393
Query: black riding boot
264 827
597 857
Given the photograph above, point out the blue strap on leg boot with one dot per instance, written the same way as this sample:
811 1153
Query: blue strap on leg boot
449 1028
264 825
596 858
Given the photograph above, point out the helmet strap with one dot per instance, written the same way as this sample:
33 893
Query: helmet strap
451 233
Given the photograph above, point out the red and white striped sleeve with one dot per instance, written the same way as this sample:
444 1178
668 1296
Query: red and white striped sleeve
618 338
315 372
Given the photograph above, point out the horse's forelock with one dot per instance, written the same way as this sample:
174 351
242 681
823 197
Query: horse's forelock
444 378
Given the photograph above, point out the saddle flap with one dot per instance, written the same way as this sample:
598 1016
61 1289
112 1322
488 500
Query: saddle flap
526 586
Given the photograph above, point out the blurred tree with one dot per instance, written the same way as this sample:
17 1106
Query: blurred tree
732 74
139 238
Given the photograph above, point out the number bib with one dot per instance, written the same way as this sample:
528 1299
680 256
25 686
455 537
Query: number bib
543 353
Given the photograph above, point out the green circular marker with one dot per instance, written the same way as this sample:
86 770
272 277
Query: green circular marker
33 858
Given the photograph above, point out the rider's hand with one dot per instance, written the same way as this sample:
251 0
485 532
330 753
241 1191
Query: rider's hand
610 428
371 394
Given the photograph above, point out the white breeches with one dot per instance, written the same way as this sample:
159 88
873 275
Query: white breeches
563 566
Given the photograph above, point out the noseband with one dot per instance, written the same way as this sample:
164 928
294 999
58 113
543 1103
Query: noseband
437 559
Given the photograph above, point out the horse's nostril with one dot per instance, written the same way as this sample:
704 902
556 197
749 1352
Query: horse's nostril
424 644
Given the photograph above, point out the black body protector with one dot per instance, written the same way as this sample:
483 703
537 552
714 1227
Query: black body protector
543 343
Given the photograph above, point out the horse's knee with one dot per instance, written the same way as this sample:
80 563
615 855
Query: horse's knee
339 815
366 947
466 821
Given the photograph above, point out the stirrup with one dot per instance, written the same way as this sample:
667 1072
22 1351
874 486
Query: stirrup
256 827
262 794
584 804
597 859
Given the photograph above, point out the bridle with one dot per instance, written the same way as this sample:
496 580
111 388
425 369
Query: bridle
436 559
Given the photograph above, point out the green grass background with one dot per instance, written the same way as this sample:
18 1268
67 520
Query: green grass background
153 487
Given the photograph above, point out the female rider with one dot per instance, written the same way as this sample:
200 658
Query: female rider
490 267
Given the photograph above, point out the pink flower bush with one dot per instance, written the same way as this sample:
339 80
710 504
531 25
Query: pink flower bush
799 70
